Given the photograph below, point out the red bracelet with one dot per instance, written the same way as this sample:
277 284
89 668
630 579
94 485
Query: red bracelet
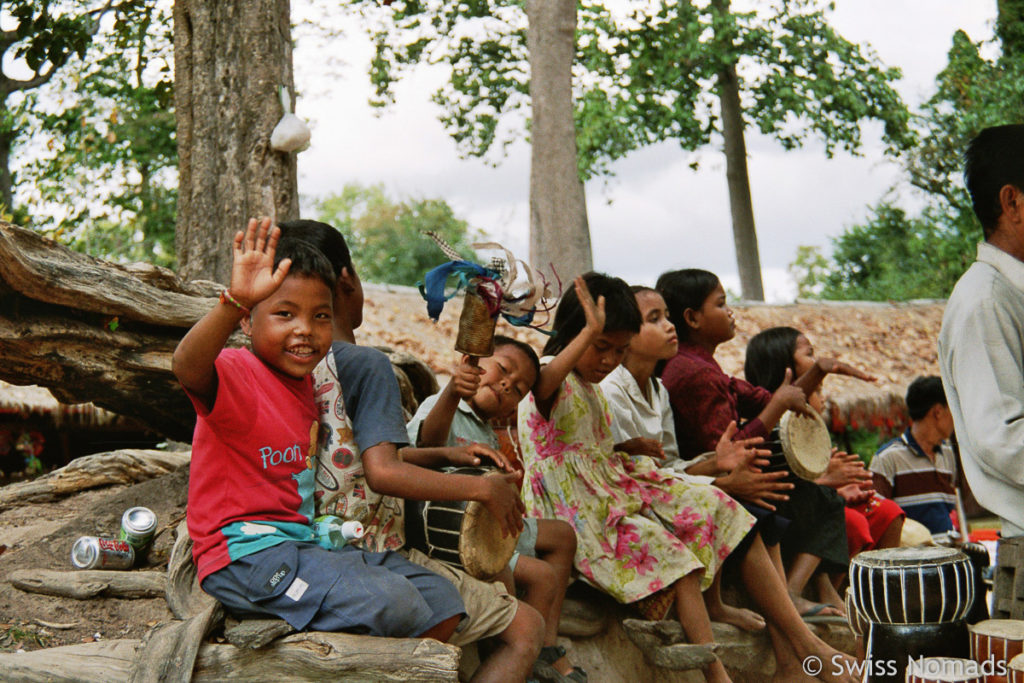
226 298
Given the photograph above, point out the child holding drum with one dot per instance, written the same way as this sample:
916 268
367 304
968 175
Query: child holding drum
643 535
461 413
871 520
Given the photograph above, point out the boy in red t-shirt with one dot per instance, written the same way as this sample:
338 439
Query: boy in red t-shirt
251 482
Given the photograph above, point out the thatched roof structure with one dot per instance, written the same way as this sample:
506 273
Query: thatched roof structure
896 342
26 401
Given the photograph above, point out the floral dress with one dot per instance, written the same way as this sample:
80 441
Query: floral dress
639 529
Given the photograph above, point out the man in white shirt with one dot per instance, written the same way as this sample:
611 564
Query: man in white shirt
981 345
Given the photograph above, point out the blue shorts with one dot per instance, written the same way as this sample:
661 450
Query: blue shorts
527 543
351 590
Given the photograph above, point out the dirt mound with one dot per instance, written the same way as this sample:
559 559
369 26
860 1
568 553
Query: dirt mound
40 535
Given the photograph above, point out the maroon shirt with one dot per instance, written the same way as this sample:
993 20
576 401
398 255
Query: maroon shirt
705 400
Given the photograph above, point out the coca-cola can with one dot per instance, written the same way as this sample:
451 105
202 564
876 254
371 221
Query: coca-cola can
93 552
137 527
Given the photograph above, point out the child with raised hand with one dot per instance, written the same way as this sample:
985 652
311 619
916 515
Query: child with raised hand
643 536
461 414
251 486
364 472
871 520
705 400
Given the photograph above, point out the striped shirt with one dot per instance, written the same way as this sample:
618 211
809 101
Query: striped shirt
925 490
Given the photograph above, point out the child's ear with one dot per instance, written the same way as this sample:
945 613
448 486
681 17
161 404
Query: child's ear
692 318
346 281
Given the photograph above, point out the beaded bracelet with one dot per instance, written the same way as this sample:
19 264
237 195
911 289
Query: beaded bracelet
226 298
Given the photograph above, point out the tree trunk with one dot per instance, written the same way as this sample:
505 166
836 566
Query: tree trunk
748 260
559 233
6 179
230 59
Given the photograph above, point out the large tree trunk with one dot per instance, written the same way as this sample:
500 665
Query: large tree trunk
559 233
230 59
748 260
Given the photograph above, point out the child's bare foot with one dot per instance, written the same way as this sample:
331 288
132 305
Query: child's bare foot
807 608
744 619
833 666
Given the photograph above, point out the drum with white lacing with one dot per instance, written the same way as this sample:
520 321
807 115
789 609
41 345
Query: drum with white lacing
944 670
995 641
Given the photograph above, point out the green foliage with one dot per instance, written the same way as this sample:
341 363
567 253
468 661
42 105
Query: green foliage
100 168
894 256
386 236
808 270
645 72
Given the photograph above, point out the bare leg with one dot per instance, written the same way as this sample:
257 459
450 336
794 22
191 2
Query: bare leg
556 548
443 631
828 593
792 639
891 537
695 621
519 645
745 619
800 571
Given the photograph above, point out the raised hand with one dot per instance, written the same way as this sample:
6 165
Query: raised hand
844 469
837 367
759 488
594 312
253 277
790 396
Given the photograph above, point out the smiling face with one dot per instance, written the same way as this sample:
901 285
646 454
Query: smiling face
657 338
603 355
291 329
508 376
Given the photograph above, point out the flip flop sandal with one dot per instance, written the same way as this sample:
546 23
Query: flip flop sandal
544 670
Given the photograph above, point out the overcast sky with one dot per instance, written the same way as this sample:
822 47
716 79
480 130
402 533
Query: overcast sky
656 214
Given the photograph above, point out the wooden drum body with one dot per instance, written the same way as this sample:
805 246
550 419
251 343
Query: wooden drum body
463 534
996 641
1015 670
929 585
943 670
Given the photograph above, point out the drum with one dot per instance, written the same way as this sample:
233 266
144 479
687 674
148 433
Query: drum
463 534
927 585
805 443
858 624
943 670
891 647
1015 670
995 641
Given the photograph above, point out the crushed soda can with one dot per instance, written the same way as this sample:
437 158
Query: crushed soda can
93 552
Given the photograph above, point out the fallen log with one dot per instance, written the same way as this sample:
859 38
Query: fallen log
301 657
255 633
91 330
90 583
92 471
662 644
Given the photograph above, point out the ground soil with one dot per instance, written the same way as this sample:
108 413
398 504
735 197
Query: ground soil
40 536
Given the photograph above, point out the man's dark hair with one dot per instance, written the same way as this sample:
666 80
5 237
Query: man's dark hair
922 394
994 159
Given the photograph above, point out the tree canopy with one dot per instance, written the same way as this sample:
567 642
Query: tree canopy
387 237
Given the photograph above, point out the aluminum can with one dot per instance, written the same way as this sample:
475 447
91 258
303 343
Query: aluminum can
137 527
92 552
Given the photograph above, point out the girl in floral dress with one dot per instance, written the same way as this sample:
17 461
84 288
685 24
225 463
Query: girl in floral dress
642 534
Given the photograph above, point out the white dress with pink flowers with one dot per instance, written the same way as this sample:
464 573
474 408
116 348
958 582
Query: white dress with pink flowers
639 529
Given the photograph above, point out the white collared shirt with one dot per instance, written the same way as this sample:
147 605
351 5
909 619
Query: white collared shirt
633 415
981 356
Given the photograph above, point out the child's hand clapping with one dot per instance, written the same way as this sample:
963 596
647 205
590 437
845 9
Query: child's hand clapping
253 277
731 454
791 397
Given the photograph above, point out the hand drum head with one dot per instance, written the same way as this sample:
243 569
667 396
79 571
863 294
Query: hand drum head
806 443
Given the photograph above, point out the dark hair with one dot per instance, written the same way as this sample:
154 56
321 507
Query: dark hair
993 159
501 340
322 237
621 311
307 261
922 394
769 354
683 289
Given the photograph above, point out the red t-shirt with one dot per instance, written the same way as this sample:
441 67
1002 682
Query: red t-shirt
251 478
